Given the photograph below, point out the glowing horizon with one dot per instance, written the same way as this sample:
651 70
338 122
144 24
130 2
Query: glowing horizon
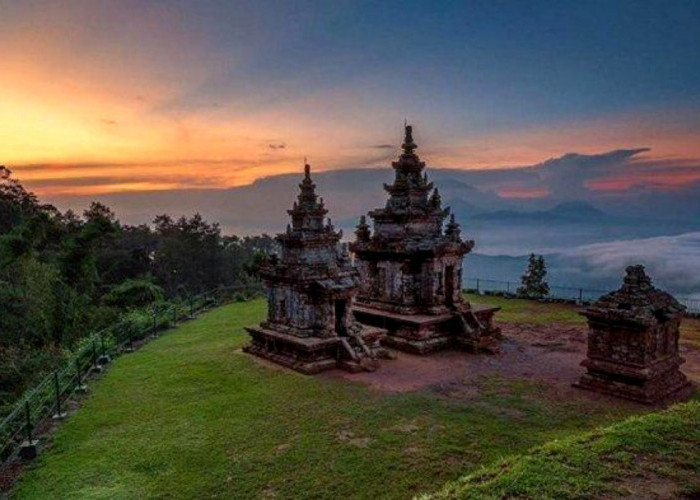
141 97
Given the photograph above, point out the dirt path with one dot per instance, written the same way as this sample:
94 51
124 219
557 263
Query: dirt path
548 354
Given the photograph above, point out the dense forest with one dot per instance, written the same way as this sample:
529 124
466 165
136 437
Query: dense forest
64 275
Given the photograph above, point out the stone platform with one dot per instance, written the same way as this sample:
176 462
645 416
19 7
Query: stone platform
659 383
467 328
310 355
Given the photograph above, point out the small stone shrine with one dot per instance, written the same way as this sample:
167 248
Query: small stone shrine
412 271
633 343
310 288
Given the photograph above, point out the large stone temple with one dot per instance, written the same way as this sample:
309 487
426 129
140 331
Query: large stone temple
411 268
633 343
310 290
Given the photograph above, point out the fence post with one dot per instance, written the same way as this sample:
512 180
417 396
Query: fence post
59 415
130 345
80 387
95 359
155 324
104 357
508 287
580 295
477 287
28 449
28 414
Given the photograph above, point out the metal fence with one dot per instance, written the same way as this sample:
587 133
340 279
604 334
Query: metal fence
48 400
557 292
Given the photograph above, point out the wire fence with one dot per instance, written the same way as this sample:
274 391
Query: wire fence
556 292
48 400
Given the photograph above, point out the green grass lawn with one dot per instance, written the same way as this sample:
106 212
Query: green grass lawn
652 456
529 311
539 313
190 416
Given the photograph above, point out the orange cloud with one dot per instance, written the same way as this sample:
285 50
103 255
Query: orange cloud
101 116
523 192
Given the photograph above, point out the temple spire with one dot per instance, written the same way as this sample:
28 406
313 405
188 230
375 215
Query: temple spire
363 232
408 145
452 231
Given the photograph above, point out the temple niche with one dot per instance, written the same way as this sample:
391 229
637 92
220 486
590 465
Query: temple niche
310 289
411 270
633 343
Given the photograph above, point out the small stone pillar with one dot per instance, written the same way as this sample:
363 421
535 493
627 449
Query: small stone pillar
633 343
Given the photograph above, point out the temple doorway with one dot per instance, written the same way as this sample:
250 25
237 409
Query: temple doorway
449 284
341 307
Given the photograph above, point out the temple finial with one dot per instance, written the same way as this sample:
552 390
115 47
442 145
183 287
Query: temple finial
453 231
307 169
435 199
408 144
363 231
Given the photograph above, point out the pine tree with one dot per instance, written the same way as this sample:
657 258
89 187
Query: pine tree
533 281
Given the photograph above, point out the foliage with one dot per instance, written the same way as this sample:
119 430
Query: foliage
190 416
533 281
63 276
133 293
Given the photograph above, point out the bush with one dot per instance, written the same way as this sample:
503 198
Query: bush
134 293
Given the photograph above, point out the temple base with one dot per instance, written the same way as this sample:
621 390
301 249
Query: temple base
658 384
471 329
311 355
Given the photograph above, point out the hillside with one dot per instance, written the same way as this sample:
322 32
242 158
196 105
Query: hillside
652 456
189 415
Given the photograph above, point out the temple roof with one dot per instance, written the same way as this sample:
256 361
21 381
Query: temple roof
637 301
411 191
412 220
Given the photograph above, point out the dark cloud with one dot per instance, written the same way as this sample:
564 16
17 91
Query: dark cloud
277 146
383 146
565 177
106 121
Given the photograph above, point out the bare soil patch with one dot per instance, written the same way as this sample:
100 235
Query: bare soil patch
547 354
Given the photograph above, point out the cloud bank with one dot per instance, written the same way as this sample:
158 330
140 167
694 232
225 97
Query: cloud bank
672 261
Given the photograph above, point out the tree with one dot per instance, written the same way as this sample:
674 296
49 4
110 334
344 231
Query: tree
133 293
189 254
533 281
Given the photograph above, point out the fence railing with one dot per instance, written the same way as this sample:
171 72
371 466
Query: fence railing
573 293
48 400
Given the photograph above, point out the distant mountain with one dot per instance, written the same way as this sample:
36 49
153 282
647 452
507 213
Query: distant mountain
499 225
463 209
579 211
576 210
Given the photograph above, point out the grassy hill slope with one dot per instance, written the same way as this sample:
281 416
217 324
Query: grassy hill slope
654 455
190 416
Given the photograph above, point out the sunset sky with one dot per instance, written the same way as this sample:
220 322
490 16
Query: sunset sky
110 96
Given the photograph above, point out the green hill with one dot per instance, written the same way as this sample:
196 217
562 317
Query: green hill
651 456
190 416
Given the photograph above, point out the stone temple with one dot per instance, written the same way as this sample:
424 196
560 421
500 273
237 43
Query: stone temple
310 289
633 343
411 270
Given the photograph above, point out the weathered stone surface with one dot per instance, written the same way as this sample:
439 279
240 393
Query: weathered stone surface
411 270
310 289
633 343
